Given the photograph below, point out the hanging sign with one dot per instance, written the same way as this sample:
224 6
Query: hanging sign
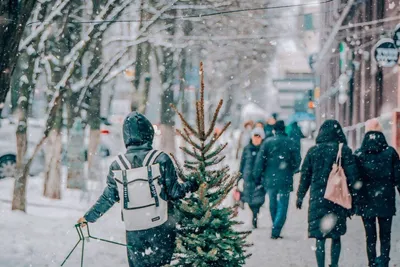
386 53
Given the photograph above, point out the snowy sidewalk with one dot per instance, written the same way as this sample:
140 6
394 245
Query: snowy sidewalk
45 235
297 250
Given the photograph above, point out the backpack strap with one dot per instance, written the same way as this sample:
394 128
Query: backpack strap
120 164
148 157
127 164
153 190
153 158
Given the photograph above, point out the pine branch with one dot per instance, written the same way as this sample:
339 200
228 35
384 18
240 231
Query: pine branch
215 138
188 139
198 120
190 167
185 123
190 153
179 172
215 161
216 152
214 120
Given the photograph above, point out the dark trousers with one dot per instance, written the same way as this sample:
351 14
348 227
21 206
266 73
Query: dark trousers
278 206
151 248
335 252
385 227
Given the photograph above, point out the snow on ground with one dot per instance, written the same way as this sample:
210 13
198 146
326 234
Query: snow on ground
45 235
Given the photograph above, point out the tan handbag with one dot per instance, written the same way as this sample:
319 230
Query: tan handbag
337 189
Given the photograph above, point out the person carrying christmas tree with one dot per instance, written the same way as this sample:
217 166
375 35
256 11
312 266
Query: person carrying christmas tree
275 165
143 180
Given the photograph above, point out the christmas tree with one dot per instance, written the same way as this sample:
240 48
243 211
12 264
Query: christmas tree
206 229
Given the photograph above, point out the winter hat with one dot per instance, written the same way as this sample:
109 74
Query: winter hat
258 131
137 130
279 126
373 125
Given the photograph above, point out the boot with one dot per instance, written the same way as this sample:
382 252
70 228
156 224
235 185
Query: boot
381 262
255 222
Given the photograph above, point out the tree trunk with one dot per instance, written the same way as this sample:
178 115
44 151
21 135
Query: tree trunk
16 15
75 157
167 138
93 157
52 184
167 122
19 196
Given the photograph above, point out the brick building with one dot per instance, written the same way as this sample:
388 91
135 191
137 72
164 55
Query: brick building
352 87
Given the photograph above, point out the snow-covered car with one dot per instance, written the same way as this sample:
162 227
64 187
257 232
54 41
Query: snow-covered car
8 148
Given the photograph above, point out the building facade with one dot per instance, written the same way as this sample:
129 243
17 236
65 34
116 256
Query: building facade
352 86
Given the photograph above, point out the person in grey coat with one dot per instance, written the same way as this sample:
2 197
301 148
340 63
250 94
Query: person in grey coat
155 246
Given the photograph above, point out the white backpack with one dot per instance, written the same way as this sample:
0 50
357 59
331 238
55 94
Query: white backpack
139 192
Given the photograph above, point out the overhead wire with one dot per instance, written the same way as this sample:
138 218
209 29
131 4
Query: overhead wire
217 13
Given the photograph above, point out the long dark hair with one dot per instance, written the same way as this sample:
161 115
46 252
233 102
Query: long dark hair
331 131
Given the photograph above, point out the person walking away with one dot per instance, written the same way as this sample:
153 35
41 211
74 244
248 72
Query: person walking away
379 169
296 135
244 137
150 229
326 220
252 194
275 165
269 127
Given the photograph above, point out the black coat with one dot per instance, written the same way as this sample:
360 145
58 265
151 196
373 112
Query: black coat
276 163
379 169
138 134
250 195
325 219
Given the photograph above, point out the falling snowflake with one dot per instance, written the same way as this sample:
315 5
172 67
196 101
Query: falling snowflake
328 222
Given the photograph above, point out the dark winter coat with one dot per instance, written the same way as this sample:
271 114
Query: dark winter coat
276 163
269 130
250 195
325 219
296 135
138 135
379 172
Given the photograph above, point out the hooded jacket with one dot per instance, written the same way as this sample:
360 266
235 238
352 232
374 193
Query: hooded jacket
315 171
276 163
138 136
379 173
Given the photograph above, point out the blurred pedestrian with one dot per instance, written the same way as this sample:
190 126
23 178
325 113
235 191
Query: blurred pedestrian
274 168
252 194
269 127
379 172
296 135
326 220
245 137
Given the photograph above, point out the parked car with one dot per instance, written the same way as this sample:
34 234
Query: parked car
110 144
8 148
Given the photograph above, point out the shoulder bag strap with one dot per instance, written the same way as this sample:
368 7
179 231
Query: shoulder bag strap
339 155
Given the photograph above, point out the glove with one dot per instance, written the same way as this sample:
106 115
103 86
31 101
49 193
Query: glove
299 203
193 185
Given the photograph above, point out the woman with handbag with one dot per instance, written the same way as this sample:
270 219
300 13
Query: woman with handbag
379 168
329 158
252 194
